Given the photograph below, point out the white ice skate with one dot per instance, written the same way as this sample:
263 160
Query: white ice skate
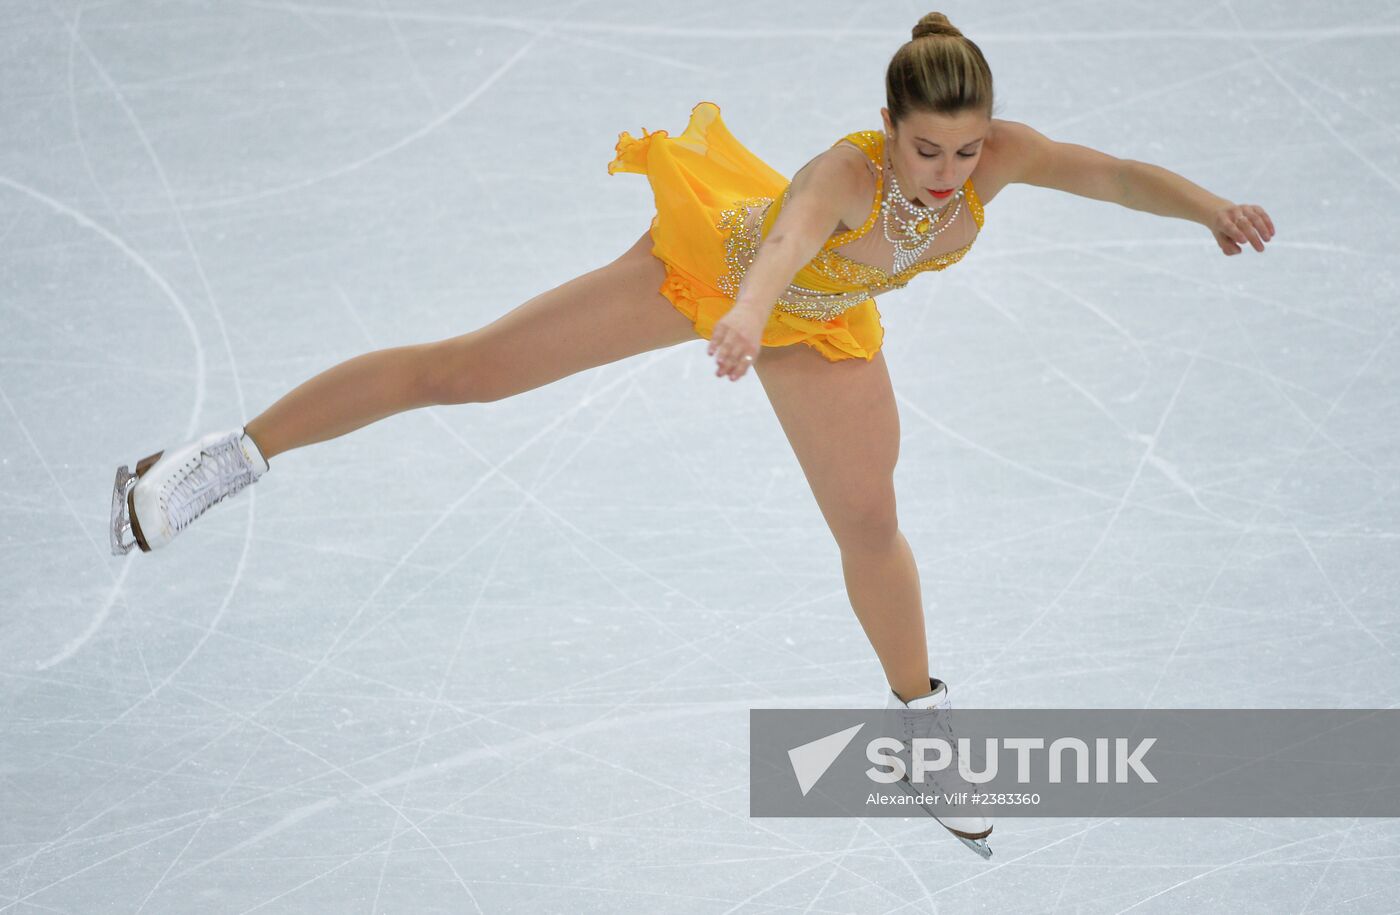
169 490
923 717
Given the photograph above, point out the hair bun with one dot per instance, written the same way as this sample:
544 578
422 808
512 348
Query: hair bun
935 24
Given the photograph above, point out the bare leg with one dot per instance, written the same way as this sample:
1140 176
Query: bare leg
343 398
602 316
850 469
882 582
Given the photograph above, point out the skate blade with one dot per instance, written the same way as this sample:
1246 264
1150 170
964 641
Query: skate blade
120 529
978 845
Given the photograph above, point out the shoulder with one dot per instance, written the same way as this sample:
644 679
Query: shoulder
843 174
1007 154
1020 154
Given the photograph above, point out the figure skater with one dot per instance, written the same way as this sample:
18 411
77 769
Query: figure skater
754 263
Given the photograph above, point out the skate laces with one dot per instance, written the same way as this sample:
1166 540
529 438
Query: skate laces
221 470
930 723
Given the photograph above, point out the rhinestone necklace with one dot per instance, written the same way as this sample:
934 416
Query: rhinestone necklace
915 225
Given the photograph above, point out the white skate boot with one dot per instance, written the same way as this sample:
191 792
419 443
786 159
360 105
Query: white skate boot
923 717
169 490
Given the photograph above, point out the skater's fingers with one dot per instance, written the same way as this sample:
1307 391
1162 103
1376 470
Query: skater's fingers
1249 233
742 356
735 341
1225 237
1260 223
725 352
1238 225
728 357
1259 220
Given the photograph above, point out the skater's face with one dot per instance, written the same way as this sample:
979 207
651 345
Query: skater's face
932 152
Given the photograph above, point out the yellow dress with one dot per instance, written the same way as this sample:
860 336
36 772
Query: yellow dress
716 201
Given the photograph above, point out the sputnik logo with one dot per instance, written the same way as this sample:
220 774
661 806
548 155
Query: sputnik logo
811 760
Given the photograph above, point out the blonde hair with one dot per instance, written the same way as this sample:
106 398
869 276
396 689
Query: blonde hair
939 70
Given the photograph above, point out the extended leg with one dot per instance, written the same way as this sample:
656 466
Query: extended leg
599 317
343 398
605 315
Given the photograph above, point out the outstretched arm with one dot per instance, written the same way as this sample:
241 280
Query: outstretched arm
1038 160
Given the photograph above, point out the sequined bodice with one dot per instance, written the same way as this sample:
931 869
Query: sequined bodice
844 273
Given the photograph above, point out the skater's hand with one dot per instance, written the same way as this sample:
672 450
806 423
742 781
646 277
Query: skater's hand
738 334
1240 224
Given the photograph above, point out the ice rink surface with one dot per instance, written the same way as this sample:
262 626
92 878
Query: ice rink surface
499 657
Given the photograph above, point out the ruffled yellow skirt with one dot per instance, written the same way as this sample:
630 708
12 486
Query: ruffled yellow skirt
694 177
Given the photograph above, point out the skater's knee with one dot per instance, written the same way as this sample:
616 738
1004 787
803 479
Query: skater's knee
863 519
453 372
483 367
